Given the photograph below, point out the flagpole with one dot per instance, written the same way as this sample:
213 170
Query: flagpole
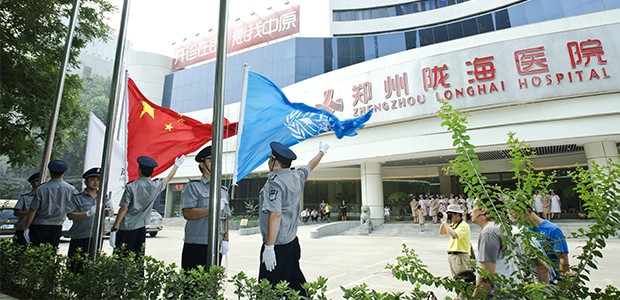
115 93
216 143
244 95
59 90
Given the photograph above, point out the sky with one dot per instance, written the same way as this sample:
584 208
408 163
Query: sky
153 25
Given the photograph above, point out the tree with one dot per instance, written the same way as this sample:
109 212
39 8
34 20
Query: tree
33 36
93 97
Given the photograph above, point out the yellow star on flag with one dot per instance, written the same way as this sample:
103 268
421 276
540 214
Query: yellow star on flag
146 108
181 120
168 127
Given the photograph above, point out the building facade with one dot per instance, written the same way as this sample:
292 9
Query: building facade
543 69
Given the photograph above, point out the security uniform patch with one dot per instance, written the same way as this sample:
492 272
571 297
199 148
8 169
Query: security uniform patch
273 194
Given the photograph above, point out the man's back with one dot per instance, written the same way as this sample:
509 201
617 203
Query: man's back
51 200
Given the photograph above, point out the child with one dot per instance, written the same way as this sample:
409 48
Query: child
386 213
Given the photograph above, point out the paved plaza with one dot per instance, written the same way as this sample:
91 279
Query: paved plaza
349 260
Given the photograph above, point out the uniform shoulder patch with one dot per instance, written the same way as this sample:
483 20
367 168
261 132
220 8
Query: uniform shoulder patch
273 195
273 176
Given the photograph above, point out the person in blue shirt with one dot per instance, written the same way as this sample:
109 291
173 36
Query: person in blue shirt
553 241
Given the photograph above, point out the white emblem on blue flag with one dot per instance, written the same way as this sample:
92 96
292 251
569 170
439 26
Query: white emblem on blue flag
303 125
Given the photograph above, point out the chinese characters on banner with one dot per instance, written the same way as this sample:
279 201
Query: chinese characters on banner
277 25
478 76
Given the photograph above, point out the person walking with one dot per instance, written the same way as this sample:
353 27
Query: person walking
434 208
196 200
538 205
556 205
553 242
23 206
546 201
343 211
135 206
421 217
491 253
280 201
322 209
414 207
454 225
327 211
81 211
48 209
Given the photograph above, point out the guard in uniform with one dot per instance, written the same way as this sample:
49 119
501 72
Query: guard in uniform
81 211
136 204
279 206
196 201
48 209
22 206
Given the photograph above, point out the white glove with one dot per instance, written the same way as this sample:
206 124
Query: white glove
224 247
27 235
223 203
91 211
113 239
323 147
179 160
269 257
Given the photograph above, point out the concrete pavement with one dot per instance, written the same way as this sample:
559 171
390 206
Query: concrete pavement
348 260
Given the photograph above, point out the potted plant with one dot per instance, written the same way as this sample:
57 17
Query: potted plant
399 200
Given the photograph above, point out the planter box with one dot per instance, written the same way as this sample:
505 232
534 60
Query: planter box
236 224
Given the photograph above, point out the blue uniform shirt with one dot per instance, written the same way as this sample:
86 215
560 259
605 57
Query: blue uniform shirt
197 195
23 204
282 193
139 197
51 202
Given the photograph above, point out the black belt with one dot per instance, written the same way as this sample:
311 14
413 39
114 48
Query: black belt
456 252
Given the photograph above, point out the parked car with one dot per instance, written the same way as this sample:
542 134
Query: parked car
7 221
156 223
154 226
66 225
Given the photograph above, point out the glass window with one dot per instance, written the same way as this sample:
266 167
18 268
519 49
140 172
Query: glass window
379 13
391 11
426 37
485 23
390 43
417 7
553 9
470 27
366 14
336 16
371 47
440 33
410 39
455 30
502 20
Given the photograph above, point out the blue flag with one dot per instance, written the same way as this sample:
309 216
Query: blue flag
270 116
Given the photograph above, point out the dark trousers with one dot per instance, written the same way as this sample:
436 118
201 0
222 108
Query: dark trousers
133 239
287 266
19 238
45 234
195 255
75 264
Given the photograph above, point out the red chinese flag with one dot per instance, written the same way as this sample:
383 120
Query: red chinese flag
161 133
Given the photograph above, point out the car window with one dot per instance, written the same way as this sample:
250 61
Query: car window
7 214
